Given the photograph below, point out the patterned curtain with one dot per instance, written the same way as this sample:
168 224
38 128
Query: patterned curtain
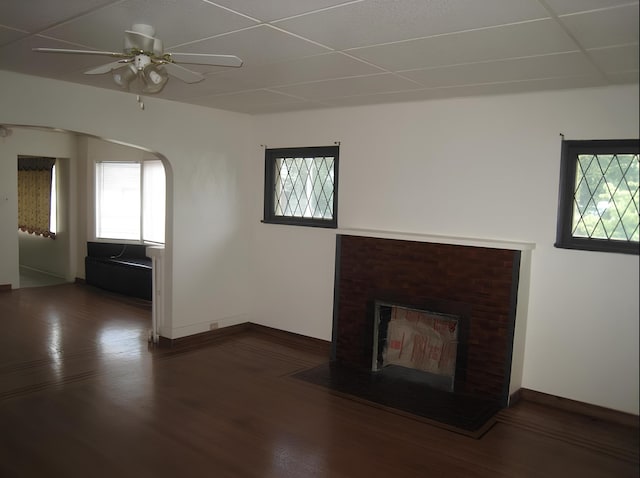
34 195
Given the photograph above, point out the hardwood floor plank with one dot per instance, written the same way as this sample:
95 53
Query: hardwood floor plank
598 435
82 394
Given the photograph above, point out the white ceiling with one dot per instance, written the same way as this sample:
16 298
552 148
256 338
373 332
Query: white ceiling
303 54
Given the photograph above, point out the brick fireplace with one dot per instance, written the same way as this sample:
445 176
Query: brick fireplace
475 282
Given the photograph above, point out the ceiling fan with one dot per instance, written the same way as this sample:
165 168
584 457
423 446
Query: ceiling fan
143 57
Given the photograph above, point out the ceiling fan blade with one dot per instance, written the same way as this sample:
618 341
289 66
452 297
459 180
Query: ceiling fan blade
138 41
107 68
182 73
81 52
206 59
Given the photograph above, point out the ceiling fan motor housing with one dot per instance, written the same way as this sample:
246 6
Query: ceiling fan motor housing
141 61
143 28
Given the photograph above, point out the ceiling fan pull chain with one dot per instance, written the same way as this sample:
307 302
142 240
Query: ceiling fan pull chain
140 102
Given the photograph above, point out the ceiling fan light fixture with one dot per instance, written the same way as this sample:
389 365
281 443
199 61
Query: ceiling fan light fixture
154 79
124 76
143 56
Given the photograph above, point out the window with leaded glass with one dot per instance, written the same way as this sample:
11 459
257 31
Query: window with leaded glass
598 204
301 186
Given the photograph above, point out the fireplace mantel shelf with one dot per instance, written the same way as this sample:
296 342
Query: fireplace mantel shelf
438 239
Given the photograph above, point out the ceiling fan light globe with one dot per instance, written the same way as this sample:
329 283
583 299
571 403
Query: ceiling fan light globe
124 76
154 79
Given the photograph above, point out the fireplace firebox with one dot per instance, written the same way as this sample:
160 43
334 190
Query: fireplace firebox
429 346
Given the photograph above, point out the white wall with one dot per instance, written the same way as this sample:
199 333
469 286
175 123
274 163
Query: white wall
52 256
472 167
206 153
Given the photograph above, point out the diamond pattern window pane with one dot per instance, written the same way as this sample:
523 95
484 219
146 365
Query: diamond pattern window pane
304 187
605 202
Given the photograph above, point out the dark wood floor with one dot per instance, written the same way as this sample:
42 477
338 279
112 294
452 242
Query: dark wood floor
81 394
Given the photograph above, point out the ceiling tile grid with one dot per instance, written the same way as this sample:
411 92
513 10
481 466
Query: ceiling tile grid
260 45
607 27
616 59
37 15
560 65
382 21
502 42
302 54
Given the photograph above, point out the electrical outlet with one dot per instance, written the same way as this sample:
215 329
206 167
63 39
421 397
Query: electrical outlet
213 325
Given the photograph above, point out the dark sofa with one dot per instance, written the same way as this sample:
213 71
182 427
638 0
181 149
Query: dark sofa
121 268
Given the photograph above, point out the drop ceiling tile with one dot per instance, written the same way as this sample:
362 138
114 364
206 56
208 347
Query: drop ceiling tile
625 77
314 68
308 69
267 11
105 28
614 26
7 35
563 7
518 87
546 66
257 46
470 90
396 97
617 58
283 108
40 14
245 101
211 85
511 41
382 21
364 85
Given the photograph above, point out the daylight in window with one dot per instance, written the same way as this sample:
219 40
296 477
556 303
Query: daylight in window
598 202
304 187
606 197
130 201
53 212
301 186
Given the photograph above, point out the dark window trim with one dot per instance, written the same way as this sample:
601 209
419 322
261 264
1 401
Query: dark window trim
569 156
270 157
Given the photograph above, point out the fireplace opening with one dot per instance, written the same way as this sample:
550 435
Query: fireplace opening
416 344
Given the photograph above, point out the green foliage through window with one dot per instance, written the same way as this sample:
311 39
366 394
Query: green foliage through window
606 197
598 208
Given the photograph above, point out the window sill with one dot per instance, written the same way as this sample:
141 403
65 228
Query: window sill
294 221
